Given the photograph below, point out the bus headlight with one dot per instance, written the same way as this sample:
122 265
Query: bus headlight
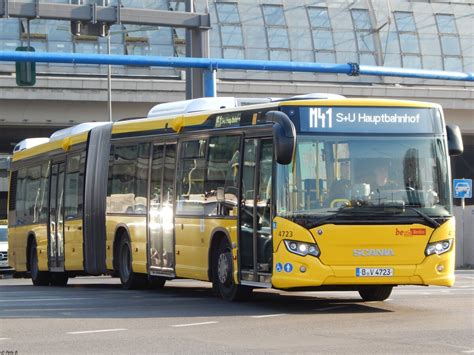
301 248
439 247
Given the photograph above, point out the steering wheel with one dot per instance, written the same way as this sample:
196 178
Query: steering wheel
339 202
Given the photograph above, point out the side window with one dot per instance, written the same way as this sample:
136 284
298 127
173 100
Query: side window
191 178
43 206
73 204
128 173
221 186
32 197
20 196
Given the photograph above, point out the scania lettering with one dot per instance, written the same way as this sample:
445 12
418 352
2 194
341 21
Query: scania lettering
308 193
373 252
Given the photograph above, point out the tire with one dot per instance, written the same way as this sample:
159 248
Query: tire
129 279
223 278
59 279
39 278
156 282
375 293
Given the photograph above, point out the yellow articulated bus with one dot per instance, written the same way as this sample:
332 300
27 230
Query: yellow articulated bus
317 192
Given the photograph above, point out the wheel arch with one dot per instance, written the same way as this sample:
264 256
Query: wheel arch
121 231
30 239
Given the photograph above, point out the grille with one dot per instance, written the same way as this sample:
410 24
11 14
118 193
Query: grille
3 255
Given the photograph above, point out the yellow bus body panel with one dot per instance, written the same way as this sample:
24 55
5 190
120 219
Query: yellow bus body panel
136 226
193 241
337 263
18 242
73 245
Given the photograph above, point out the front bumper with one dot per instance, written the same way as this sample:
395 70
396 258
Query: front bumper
293 271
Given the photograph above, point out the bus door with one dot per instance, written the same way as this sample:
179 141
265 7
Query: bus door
56 218
161 211
255 235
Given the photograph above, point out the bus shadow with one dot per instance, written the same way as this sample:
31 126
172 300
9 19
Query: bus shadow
173 301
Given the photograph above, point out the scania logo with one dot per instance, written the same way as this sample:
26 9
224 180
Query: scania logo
373 252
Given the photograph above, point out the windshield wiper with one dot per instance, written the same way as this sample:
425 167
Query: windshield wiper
431 221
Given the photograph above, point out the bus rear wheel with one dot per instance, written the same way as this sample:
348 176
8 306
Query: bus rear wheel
39 278
223 279
375 293
130 280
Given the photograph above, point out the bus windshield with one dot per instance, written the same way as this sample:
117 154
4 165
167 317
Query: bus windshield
364 177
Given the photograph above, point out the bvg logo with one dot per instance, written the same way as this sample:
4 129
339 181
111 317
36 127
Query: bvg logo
320 118
410 232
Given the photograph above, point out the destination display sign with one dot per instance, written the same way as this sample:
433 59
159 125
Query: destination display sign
368 120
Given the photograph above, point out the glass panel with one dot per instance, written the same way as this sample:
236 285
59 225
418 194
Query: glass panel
405 21
365 41
33 193
191 197
86 47
156 243
227 13
10 28
322 39
432 62
325 57
74 186
446 24
367 59
167 218
409 43
411 61
122 180
318 17
9 45
274 15
450 45
452 63
231 36
344 41
277 37
276 54
330 174
361 19
233 53
44 197
392 60
20 196
221 186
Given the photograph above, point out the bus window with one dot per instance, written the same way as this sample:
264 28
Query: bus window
191 178
32 198
44 194
222 173
128 171
74 186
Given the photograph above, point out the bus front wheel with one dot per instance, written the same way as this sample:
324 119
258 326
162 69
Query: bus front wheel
39 278
129 279
375 293
224 278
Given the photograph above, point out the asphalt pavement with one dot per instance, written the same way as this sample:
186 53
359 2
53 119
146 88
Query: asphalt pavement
94 315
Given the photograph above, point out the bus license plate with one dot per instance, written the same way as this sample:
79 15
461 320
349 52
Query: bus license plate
374 272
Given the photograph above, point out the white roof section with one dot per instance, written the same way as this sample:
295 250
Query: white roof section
70 131
29 143
189 106
317 96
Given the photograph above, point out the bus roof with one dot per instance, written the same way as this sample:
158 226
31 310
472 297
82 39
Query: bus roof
170 118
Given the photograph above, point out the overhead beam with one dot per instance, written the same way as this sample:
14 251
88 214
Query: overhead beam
352 69
111 15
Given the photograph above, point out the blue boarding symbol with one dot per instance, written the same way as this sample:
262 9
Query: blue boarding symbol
278 267
288 267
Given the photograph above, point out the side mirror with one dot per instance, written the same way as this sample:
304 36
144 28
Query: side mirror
455 145
284 136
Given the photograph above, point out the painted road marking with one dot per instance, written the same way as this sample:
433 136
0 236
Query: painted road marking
193 324
5 338
269 315
97 331
469 351
45 299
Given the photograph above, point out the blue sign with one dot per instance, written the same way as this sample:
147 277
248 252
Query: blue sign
288 267
462 188
278 267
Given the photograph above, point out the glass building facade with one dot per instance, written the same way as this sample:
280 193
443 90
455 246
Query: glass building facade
419 34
